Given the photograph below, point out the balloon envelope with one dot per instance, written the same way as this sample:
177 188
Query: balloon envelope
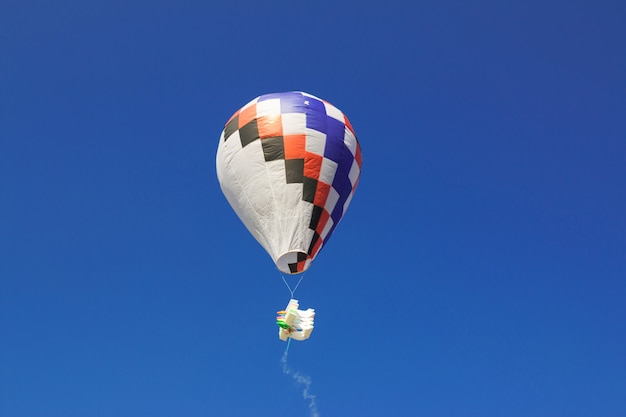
288 164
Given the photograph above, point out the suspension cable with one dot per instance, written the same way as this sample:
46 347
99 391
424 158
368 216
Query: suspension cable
288 287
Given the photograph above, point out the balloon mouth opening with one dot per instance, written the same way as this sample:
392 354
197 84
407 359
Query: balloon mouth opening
293 262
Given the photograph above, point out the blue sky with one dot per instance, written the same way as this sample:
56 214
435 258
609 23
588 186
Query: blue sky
478 272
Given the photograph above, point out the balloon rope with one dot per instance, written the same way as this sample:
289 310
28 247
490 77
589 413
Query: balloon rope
288 287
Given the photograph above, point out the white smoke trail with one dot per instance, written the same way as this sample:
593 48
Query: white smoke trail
302 380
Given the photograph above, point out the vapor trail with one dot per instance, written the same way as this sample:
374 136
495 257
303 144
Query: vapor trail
300 380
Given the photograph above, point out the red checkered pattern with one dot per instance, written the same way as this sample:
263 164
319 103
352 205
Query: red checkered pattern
319 149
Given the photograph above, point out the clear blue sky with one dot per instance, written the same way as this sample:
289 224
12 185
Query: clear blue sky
480 270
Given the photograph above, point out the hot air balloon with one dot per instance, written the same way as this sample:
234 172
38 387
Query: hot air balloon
288 164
